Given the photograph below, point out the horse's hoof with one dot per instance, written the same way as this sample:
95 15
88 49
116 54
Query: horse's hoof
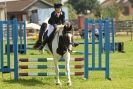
69 84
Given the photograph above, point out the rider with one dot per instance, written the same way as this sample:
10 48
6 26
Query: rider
57 18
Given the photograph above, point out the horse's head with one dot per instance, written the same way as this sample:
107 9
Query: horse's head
67 29
65 39
67 35
64 29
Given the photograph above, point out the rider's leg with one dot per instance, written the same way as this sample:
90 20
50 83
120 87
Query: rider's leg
42 31
46 38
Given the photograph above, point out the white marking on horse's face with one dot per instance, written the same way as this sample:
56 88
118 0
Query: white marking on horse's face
70 38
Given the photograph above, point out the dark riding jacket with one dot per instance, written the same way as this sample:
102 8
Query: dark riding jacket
54 19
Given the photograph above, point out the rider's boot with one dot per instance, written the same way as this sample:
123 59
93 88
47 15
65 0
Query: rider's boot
37 44
41 33
45 40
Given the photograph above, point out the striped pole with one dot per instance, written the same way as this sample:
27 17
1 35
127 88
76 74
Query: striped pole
50 74
46 59
46 67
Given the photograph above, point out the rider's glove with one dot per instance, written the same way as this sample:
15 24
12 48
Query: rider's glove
55 26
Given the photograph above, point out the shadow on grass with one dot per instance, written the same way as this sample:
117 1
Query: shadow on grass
28 82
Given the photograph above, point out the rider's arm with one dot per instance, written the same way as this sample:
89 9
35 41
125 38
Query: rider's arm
51 20
63 17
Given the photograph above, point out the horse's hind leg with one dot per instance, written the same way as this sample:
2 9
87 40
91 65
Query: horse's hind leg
67 64
57 72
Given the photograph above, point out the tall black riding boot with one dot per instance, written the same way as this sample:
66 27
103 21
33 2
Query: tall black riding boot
42 30
41 33
37 44
43 43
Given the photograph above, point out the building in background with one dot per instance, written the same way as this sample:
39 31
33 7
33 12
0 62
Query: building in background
25 9
44 14
33 11
2 12
125 4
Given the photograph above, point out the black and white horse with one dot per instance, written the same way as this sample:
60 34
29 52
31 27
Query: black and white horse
60 46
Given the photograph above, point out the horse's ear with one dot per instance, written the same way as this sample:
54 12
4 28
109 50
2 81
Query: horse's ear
70 28
65 27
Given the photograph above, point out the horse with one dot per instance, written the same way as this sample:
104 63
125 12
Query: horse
60 46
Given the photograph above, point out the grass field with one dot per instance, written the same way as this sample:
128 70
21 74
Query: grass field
121 72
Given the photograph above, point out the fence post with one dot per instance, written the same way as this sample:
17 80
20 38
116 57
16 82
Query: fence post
1 46
25 37
86 50
107 48
15 47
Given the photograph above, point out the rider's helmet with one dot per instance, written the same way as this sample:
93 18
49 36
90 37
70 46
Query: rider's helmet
57 7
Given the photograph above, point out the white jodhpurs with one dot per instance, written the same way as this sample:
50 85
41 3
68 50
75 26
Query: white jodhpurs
50 29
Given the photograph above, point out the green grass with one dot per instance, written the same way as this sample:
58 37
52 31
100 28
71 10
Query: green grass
121 72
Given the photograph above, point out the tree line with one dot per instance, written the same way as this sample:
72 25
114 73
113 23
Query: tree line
92 7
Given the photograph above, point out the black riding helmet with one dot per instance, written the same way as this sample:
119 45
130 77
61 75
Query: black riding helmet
57 5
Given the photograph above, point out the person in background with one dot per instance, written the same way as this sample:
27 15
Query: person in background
96 33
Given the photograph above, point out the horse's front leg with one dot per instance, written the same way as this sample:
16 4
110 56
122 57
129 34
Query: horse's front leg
57 72
67 65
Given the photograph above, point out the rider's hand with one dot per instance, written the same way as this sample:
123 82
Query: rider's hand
55 26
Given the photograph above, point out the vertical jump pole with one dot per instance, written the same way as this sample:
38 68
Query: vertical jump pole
20 32
25 37
93 43
15 47
107 48
86 50
1 46
113 34
100 44
8 44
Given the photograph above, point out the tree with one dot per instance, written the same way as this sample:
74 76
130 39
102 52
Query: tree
111 9
131 2
81 6
72 12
